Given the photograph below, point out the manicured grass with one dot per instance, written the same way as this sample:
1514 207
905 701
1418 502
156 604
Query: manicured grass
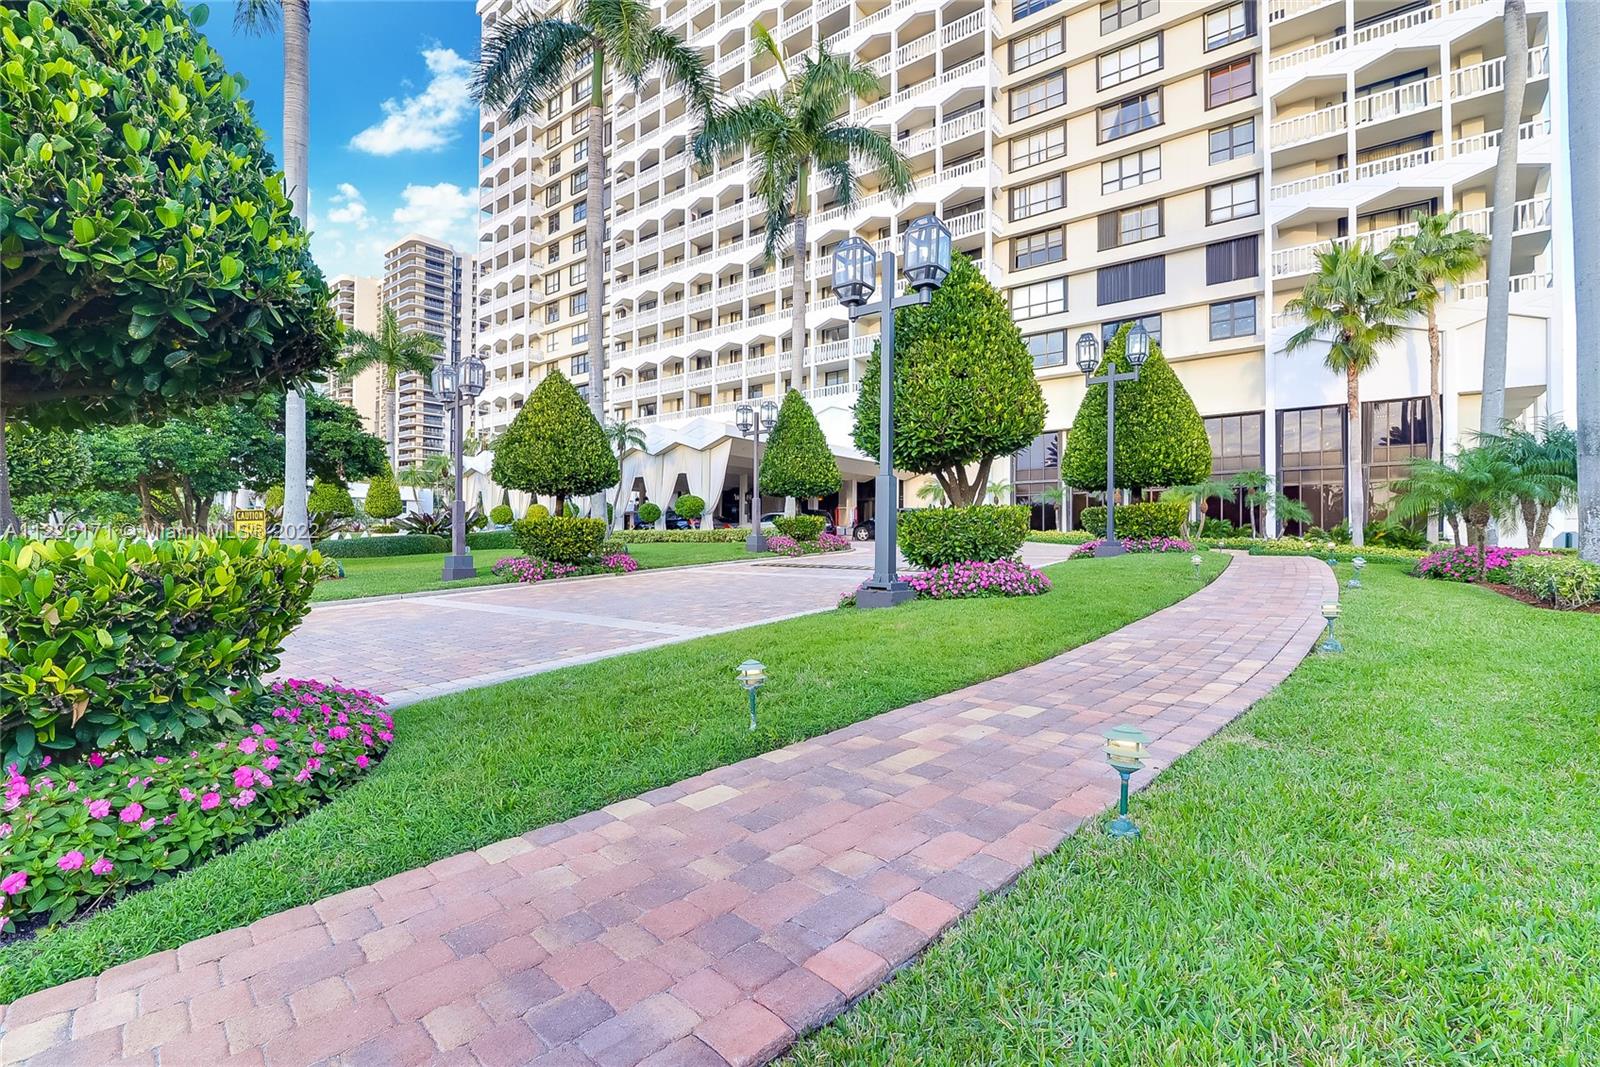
1393 859
384 576
476 767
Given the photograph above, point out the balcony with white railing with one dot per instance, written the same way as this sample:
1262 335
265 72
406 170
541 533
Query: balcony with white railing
1520 284
1401 100
1324 122
1384 31
1394 164
1280 10
1490 75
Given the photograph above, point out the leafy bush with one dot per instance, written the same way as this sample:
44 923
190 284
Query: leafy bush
649 513
798 461
1222 528
1295 546
931 537
1466 564
407 544
1137 544
273 498
719 535
492 539
501 515
523 569
330 499
1395 535
1058 537
688 506
800 527
94 831
1141 521
442 523
106 643
560 539
1002 577
555 446
1564 581
537 511
383 497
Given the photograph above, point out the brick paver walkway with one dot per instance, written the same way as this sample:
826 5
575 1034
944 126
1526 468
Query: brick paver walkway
410 648
712 921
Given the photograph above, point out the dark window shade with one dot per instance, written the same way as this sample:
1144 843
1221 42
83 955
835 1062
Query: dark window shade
1133 280
1230 260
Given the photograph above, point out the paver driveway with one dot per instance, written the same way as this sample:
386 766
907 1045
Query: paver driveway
408 648
711 921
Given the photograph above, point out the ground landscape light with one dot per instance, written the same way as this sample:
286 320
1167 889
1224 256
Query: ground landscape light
1126 748
752 675
1355 579
1330 643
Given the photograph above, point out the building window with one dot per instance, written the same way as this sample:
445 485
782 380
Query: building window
580 336
1233 140
1041 298
1037 97
1037 249
1237 444
578 305
1228 24
1233 318
580 153
1133 280
552 312
579 181
580 242
1130 61
1151 324
1228 261
1130 116
1231 81
1115 14
1041 146
1396 433
1130 171
832 377
1024 8
1049 349
1047 42
580 211
1047 194
552 283
1232 200
578 273
578 365
1130 225
552 223
552 195
1311 463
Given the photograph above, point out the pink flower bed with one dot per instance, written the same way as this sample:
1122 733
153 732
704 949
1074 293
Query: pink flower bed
784 545
72 837
1463 564
619 563
1137 544
523 569
1003 577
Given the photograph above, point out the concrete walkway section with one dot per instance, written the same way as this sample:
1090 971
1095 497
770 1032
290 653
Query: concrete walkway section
410 648
709 922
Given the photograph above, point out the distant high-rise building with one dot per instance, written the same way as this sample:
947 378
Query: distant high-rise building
355 301
422 282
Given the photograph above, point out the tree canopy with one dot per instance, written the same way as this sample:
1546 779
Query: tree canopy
1161 439
151 261
555 446
964 390
798 461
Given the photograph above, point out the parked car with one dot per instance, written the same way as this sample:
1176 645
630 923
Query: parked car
867 529
673 521
827 520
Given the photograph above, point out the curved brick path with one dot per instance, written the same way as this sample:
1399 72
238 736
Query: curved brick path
713 920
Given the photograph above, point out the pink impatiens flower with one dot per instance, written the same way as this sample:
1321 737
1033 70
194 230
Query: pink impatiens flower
248 745
270 763
98 809
101 866
14 883
244 798
210 800
132 813
96 760
71 861
186 793
243 776
362 761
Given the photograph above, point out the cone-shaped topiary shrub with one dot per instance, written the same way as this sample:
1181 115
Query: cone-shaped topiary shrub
383 496
555 446
798 461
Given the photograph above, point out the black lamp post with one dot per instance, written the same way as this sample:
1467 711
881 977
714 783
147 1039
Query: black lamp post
1138 349
855 270
456 384
753 424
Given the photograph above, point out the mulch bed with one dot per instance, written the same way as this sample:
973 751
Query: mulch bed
1534 602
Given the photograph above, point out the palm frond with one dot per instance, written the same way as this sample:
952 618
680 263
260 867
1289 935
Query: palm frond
872 147
767 43
681 67
257 18
527 61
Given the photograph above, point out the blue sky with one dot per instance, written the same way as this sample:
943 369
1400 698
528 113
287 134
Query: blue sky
393 130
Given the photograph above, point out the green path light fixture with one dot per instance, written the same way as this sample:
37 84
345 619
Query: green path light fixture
752 675
1137 349
1125 751
1330 643
1195 559
1355 579
855 280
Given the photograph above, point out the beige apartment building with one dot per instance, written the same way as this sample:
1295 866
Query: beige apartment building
423 283
355 301
1167 161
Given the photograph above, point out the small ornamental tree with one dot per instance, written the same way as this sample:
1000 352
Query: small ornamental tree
383 496
1161 439
331 500
964 391
48 467
798 461
555 446
151 261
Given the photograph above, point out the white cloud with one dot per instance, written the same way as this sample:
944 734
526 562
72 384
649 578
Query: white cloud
426 121
348 208
350 236
436 210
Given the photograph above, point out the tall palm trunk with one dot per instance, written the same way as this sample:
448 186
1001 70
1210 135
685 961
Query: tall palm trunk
798 290
595 254
1435 388
1355 502
1583 126
1503 222
394 422
296 169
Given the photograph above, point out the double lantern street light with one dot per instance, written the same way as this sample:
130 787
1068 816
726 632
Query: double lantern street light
1137 350
754 423
855 279
457 384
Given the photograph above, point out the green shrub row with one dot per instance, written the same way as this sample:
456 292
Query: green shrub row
492 539
1141 521
1297 546
105 643
560 538
933 537
800 527
1565 582
720 535
409 544
1061 537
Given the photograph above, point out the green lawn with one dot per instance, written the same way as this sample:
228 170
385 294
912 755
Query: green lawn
1394 859
384 576
475 767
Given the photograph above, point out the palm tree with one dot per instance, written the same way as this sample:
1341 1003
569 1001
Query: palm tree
257 17
1057 495
394 352
436 473
1583 109
932 492
1352 301
1549 452
530 59
1199 493
1502 223
1438 254
998 490
1483 485
793 132
625 436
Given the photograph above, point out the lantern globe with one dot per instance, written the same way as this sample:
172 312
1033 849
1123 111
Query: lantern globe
927 254
1088 352
855 271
